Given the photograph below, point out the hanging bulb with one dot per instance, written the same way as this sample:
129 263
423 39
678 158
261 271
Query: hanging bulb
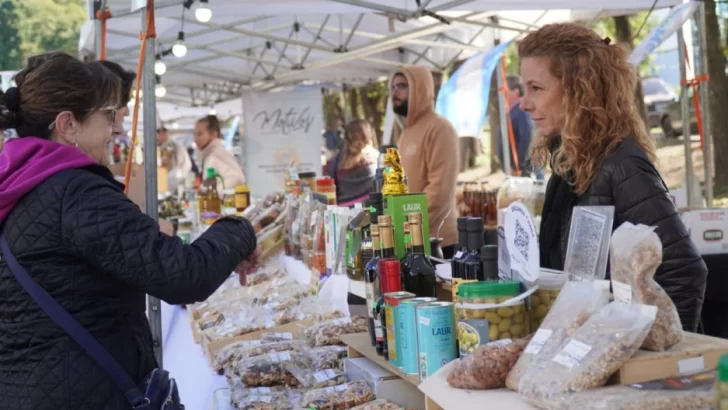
212 111
203 14
160 68
179 49
160 91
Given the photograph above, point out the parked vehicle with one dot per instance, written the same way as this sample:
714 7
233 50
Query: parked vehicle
658 97
671 119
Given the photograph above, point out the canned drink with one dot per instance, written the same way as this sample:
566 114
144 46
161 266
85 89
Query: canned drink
435 337
407 336
392 301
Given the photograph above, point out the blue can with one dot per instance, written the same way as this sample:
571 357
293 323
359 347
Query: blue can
408 333
392 301
436 344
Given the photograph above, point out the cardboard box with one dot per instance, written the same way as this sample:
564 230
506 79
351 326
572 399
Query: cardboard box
708 229
386 385
695 353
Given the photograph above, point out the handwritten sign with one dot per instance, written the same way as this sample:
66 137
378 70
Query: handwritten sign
281 128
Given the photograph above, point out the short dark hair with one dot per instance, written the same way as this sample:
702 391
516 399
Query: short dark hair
53 83
213 124
514 83
127 80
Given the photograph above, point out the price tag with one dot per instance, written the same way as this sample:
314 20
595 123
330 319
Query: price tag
324 375
260 390
458 255
337 389
260 399
280 357
342 321
572 354
249 343
284 336
538 341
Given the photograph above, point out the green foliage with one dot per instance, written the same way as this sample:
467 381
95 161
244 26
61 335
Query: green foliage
30 27
606 27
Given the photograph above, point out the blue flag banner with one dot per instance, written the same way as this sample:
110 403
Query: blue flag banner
463 100
674 20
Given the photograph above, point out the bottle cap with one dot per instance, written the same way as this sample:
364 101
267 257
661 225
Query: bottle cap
211 173
489 252
241 189
462 223
475 224
304 175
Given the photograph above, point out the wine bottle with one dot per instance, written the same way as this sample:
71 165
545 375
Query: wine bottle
421 278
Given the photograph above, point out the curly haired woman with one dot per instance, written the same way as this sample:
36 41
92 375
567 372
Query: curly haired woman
579 90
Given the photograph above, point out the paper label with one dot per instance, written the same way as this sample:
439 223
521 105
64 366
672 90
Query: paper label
249 343
572 354
583 249
538 341
622 291
502 342
522 242
260 390
691 365
424 320
342 321
256 398
280 357
458 255
324 375
284 336
337 389
378 334
369 291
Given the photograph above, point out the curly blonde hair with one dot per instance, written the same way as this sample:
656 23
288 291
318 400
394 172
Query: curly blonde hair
359 136
599 101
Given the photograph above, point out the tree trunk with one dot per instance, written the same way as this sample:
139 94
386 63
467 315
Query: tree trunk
354 103
718 89
494 123
624 36
370 104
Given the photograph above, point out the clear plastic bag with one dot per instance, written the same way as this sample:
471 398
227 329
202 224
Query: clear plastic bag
343 396
251 348
636 255
240 395
664 394
246 320
379 404
596 350
329 333
328 357
576 303
276 337
587 251
271 400
271 369
234 351
316 379
488 366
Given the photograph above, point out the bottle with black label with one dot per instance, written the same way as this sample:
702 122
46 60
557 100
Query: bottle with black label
420 279
373 292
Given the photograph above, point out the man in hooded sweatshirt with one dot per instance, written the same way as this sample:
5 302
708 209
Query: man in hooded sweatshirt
429 149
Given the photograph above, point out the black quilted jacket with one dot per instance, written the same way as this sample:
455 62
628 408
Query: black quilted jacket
628 180
95 252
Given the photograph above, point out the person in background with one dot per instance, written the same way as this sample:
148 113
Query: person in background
213 153
332 137
429 150
522 131
174 158
579 90
354 166
70 226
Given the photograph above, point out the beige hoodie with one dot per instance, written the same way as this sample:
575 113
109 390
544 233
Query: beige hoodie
429 150
214 155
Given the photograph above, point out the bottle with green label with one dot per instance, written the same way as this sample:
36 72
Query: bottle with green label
721 384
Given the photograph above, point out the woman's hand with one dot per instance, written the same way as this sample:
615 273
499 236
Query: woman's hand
166 227
249 265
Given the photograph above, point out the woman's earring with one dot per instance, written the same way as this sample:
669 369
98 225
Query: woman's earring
75 144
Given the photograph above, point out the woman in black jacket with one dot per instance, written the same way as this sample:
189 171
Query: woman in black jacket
74 231
579 90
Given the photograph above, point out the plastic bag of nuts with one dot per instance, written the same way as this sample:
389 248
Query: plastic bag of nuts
251 348
329 333
239 393
576 303
311 379
692 392
328 357
636 255
343 396
379 404
271 369
595 351
488 366
272 400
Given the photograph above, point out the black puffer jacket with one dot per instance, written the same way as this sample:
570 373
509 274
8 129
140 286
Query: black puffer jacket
628 180
94 251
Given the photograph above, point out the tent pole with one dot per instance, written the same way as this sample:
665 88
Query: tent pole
705 104
685 114
149 84
94 7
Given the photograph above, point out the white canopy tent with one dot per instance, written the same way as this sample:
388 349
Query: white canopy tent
251 44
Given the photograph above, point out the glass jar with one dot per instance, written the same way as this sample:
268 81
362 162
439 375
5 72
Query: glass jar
721 384
486 313
327 186
549 284
185 227
228 202
242 198
307 178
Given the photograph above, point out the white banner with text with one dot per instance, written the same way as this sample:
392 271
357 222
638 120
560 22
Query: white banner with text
281 128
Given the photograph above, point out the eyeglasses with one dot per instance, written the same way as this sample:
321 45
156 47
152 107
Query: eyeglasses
111 110
400 86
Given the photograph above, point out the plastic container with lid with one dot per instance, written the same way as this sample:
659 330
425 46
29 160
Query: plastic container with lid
549 284
327 186
487 312
721 384
228 202
242 198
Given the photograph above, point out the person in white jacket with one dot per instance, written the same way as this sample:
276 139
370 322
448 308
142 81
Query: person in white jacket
213 152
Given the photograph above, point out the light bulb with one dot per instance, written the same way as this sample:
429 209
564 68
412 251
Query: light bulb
203 14
212 112
179 49
160 68
160 91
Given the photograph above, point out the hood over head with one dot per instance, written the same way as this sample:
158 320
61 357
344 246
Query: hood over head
26 162
421 91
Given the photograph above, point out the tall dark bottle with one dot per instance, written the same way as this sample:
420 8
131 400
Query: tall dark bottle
421 279
456 262
371 282
473 263
406 260
389 281
489 255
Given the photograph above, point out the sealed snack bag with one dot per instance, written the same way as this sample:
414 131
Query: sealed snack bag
488 366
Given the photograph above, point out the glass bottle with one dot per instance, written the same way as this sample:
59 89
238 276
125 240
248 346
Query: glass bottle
407 258
389 280
372 286
456 262
472 261
421 279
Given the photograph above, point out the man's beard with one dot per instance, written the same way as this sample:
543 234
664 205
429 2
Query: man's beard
401 109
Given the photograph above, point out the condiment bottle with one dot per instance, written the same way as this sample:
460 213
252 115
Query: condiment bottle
242 198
